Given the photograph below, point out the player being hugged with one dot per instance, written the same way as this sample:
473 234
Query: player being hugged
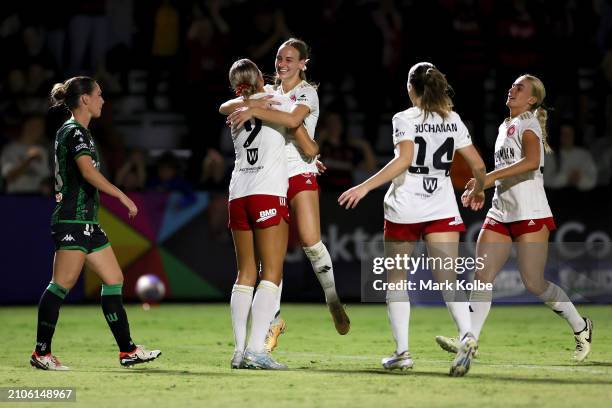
520 213
421 202
303 192
258 216
76 233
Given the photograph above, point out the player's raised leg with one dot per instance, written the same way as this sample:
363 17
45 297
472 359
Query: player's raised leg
305 209
532 256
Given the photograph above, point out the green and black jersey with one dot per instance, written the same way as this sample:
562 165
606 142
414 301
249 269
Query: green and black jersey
77 200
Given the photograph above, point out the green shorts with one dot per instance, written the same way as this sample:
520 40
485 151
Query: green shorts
83 237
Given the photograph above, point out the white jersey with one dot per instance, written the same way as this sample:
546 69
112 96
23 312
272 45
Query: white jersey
302 94
261 158
425 192
520 197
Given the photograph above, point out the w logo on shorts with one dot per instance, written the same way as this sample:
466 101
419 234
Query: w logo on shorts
430 184
252 155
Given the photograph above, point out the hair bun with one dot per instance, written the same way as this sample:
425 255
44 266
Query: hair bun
58 94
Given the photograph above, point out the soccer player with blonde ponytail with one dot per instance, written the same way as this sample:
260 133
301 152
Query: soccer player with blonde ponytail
520 213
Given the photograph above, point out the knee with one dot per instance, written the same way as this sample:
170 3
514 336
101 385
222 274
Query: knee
535 286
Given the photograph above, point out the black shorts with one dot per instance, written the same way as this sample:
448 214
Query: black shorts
83 237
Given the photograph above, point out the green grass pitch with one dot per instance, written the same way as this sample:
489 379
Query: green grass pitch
525 360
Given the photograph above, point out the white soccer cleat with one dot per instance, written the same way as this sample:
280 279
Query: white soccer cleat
138 356
583 341
396 361
465 354
277 327
262 361
237 359
47 362
451 344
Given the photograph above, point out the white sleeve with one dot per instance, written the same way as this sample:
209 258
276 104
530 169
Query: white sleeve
307 96
285 103
463 138
402 130
530 124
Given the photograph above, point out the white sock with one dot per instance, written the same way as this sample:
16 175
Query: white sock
398 311
240 305
322 266
278 300
399 319
480 302
557 300
262 313
460 312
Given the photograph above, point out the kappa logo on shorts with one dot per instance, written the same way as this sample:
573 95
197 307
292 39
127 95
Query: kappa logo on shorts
531 223
68 238
266 214
491 221
252 155
430 184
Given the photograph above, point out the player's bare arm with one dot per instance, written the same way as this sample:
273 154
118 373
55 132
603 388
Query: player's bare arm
393 169
96 179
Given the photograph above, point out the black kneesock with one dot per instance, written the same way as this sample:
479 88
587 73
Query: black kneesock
114 313
48 313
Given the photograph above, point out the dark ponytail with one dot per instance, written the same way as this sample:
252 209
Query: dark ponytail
431 86
68 93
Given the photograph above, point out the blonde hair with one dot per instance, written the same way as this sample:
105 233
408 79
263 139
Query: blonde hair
431 87
243 76
539 92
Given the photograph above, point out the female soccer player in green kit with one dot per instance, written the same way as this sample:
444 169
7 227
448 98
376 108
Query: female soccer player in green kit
77 235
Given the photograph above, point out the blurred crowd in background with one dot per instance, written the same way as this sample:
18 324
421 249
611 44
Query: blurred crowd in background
163 65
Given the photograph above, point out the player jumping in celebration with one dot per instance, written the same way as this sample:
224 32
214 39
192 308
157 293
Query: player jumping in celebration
520 213
421 203
75 229
303 192
258 217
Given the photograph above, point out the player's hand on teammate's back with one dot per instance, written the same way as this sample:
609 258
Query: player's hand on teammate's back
352 196
237 118
129 204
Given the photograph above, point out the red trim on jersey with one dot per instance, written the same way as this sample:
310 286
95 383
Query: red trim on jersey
413 232
518 228
257 211
302 182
